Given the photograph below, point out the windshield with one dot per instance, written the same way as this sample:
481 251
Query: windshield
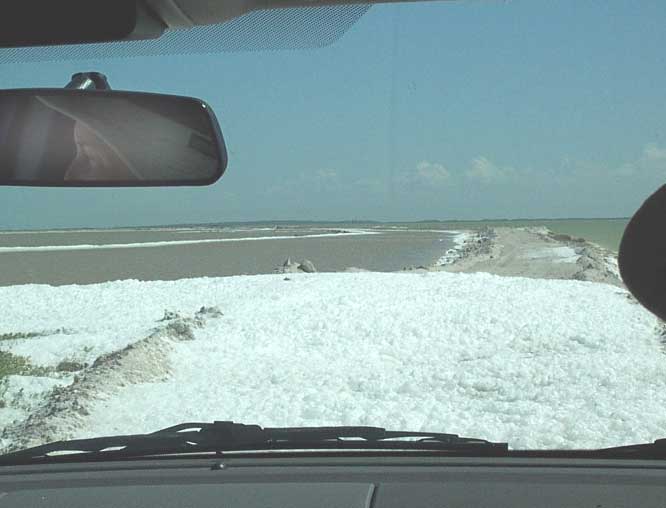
417 229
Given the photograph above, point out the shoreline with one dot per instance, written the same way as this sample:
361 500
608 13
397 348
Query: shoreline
533 252
189 253
84 365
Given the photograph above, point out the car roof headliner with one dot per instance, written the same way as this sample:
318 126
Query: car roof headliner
188 13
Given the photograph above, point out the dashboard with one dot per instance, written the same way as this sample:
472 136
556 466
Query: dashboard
337 482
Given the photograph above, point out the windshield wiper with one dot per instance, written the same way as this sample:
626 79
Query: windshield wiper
229 436
643 451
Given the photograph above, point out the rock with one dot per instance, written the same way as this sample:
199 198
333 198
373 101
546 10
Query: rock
292 268
561 238
180 330
288 267
208 312
480 243
412 268
587 262
307 266
169 316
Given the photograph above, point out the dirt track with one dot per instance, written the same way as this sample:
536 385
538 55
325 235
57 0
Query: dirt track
535 253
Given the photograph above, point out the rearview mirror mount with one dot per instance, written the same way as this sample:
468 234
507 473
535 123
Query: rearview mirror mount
57 22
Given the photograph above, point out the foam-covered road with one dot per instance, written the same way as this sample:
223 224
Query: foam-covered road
537 363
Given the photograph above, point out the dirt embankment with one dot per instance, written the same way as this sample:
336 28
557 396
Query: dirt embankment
535 253
65 407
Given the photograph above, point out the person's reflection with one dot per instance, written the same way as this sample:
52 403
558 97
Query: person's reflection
95 159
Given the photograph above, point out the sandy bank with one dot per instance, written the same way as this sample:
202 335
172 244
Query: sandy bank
536 253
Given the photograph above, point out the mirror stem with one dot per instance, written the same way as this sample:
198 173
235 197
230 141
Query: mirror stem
89 81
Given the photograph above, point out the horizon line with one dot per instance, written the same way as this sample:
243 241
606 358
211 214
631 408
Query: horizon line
296 222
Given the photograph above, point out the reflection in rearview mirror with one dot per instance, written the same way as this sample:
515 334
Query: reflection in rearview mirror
65 137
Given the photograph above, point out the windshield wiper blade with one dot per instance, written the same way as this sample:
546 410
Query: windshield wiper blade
644 451
229 436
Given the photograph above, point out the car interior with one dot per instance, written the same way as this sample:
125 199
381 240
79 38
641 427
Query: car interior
89 131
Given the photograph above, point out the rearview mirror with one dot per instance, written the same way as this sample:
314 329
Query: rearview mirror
81 138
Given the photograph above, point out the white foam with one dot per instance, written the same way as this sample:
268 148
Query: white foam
612 266
537 363
172 243
459 239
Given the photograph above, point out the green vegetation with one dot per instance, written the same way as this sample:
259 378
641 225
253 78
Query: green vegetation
32 335
11 364
69 366
20 335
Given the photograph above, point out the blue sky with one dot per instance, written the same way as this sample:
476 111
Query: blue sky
444 110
